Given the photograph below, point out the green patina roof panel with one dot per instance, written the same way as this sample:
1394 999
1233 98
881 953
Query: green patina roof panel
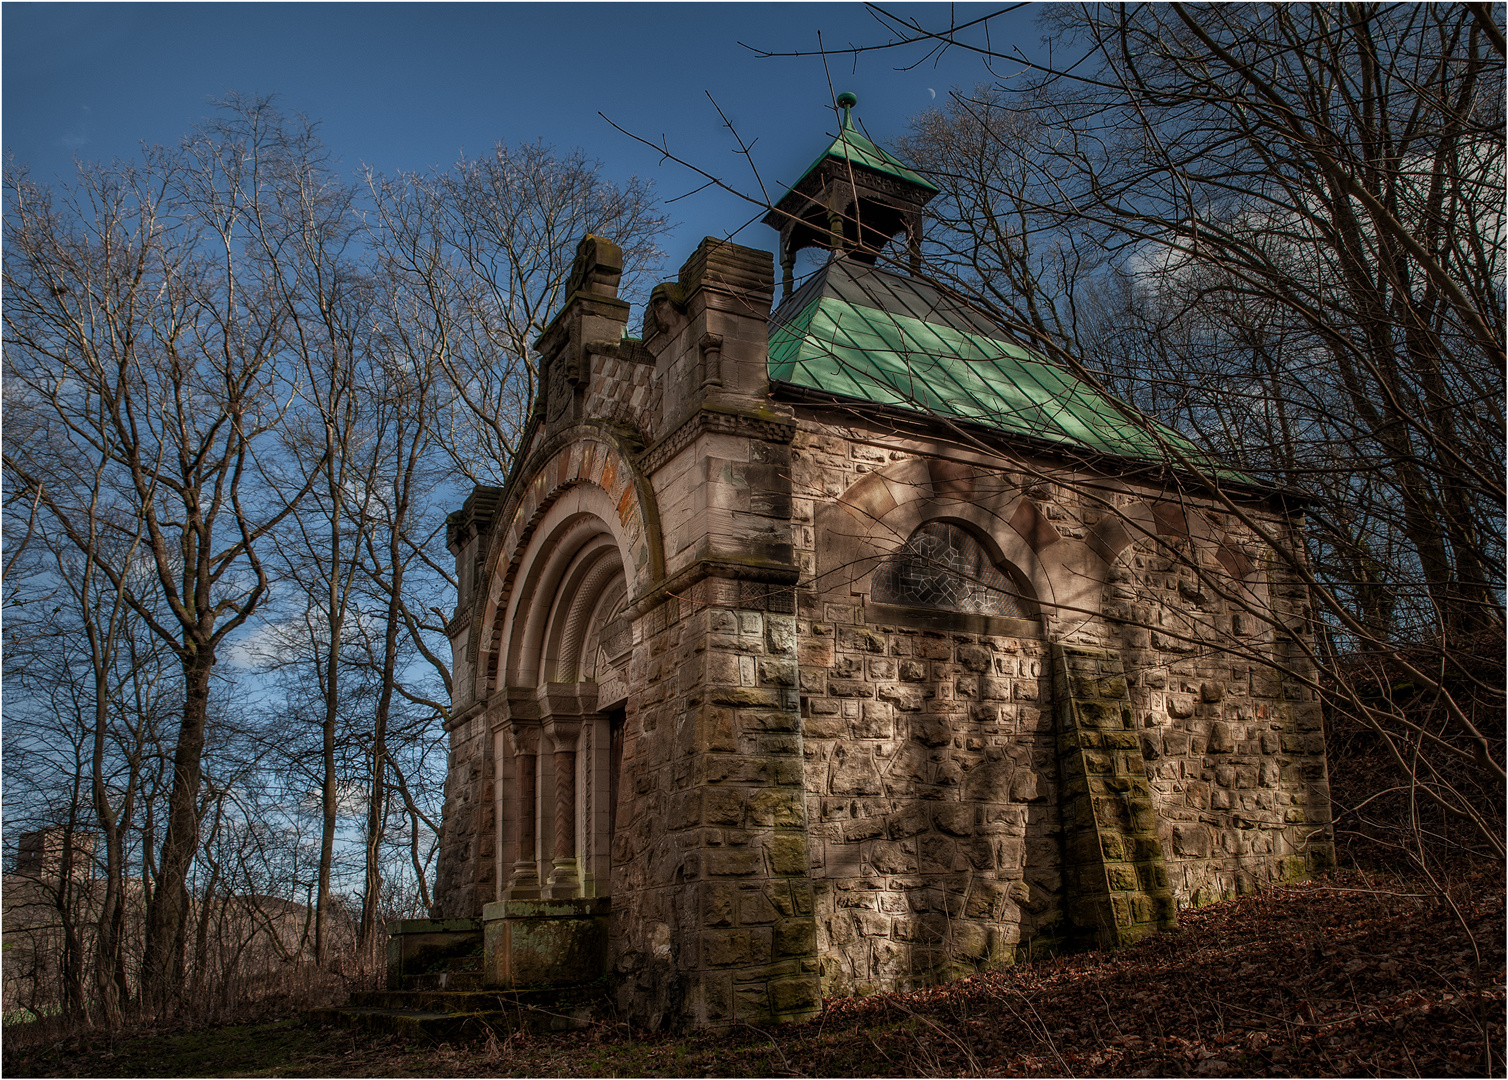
854 147
866 333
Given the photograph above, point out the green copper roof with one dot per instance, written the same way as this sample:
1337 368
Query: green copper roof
854 147
862 332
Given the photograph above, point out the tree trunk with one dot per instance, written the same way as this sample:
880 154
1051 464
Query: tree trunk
377 802
163 962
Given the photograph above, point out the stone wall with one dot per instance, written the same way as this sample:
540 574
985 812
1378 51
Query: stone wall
1230 719
980 787
933 788
714 921
465 878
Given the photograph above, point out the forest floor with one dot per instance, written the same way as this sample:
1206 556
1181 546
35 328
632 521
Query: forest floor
1353 975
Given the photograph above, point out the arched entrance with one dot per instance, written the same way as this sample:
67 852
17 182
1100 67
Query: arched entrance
556 650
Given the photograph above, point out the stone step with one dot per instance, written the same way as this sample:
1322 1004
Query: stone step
477 1000
456 1014
470 979
412 1023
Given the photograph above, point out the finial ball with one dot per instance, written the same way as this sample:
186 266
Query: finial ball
847 100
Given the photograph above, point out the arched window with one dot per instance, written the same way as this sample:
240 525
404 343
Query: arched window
944 568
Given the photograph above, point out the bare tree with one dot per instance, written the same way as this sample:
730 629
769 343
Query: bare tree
143 322
1310 193
226 392
484 251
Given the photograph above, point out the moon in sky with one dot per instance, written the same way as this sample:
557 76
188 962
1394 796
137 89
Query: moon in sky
932 92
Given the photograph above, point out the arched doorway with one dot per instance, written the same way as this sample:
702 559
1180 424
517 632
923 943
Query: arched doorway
562 643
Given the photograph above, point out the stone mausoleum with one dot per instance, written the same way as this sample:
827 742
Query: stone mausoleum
827 640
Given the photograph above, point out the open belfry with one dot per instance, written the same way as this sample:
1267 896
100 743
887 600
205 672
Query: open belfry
827 640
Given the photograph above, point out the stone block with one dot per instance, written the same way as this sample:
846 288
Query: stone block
853 773
974 658
910 820
932 730
859 639
890 857
868 828
744 696
904 698
825 727
725 948
1121 878
993 688
934 648
1223 739
755 908
718 905
1191 840
772 720
788 854
725 863
780 634
795 997
777 672
560 942
1175 743
1113 687
815 652
955 819
794 937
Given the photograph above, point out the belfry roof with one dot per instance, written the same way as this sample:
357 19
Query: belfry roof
852 146
862 332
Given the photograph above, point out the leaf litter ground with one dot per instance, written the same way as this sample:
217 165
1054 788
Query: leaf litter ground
1348 976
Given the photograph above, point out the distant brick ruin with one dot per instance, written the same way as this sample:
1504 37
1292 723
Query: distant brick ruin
851 647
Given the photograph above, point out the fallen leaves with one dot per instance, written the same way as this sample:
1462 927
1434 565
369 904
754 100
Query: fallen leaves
1351 976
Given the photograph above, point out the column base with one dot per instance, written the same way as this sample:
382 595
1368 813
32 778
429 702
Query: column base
545 942
564 882
524 884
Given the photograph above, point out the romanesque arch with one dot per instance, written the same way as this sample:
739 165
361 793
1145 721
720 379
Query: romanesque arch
873 520
580 546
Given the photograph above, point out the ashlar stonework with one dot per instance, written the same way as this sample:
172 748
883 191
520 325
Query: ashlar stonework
767 690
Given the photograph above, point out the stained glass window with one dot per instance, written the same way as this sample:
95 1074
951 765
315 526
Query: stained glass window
942 567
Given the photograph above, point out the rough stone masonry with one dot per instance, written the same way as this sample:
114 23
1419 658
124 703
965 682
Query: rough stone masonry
777 675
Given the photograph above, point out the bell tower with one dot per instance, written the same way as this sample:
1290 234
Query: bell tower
854 198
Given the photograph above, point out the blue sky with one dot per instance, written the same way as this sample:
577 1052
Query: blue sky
407 86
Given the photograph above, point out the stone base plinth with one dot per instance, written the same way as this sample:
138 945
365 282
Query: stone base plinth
559 942
414 946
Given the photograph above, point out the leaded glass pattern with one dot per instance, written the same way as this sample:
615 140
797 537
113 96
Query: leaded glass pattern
942 567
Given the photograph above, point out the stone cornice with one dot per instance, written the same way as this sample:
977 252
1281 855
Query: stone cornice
716 421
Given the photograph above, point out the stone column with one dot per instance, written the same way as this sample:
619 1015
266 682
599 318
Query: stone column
564 880
523 739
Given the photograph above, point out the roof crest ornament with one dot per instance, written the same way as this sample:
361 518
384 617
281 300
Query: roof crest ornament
848 102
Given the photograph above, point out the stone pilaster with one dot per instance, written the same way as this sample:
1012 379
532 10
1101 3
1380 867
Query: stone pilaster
1115 879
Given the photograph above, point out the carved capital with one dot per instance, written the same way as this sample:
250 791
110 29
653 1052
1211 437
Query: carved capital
523 738
563 732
